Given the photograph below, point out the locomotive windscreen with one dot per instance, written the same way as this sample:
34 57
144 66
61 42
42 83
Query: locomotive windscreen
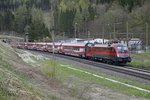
122 49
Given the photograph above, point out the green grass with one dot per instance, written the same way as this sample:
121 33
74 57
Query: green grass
16 83
63 72
11 81
19 81
141 60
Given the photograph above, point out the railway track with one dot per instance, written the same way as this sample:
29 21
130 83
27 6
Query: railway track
140 73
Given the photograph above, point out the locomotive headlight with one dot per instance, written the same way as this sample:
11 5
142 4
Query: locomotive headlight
120 55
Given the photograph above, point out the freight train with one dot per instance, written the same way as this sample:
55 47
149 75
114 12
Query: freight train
113 53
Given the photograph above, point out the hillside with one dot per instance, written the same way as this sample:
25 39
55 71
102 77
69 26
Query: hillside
22 81
11 82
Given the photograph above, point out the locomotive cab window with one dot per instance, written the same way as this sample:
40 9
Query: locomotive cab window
122 49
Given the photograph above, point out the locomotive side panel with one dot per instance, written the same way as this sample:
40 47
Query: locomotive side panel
101 53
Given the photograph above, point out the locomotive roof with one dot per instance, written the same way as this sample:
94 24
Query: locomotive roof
101 45
108 45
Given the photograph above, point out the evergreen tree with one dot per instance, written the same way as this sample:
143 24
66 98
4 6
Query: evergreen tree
37 29
8 20
22 18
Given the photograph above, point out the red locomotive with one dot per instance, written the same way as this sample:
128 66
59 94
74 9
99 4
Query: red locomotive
109 53
114 53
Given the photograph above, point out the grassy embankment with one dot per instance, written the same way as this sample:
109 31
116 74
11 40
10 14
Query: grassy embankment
13 84
141 60
19 80
79 87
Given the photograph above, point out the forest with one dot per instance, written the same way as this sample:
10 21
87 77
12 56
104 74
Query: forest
75 18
